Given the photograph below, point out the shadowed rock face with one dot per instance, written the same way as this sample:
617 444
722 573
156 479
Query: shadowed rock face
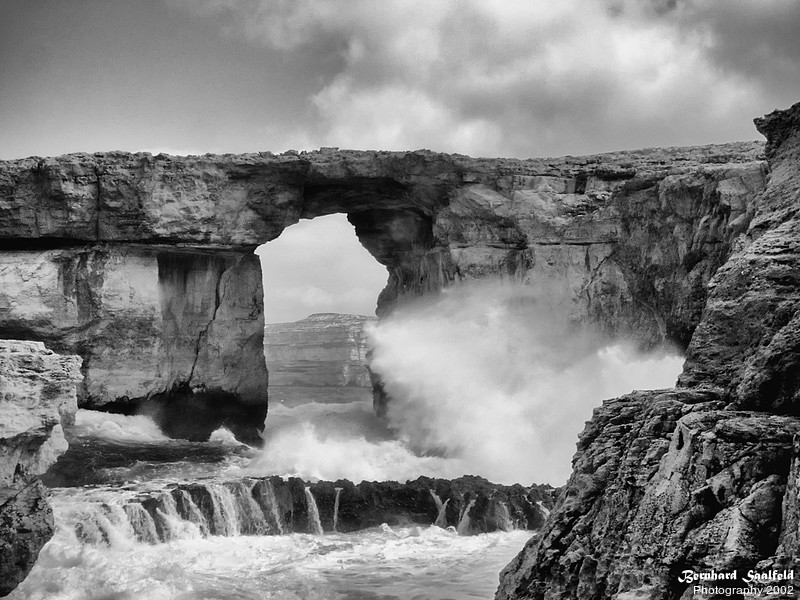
143 265
270 506
704 477
37 395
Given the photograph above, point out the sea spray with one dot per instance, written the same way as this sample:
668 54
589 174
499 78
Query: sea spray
317 441
122 429
314 524
498 378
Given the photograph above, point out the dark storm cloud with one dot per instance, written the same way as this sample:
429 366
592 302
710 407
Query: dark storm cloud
757 40
529 78
486 77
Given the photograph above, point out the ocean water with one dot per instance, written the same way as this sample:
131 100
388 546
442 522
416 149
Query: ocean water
106 547
492 381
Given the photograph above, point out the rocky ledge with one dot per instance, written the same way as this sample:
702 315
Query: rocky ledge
703 478
325 349
272 506
37 395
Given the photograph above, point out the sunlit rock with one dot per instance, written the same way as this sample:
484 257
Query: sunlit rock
143 264
37 395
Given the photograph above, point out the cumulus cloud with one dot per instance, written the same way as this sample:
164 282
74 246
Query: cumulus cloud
528 78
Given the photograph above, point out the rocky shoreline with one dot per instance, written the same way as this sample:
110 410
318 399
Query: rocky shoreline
37 396
705 477
143 266
277 506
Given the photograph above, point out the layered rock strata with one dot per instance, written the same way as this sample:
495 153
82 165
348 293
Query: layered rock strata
703 478
37 395
143 264
325 349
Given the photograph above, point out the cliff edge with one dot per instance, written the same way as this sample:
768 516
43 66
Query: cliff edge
703 478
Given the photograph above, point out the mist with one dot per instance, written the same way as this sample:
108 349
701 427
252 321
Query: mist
486 378
496 376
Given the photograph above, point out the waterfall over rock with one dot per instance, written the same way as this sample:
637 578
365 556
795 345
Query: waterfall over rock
314 524
273 506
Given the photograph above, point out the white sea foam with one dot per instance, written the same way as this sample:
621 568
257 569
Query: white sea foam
117 428
485 379
393 561
498 377
224 436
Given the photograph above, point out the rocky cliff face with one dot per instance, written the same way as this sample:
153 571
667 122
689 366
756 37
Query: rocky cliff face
37 395
143 265
703 477
325 349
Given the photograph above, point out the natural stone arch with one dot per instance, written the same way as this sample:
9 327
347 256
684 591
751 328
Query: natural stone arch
144 265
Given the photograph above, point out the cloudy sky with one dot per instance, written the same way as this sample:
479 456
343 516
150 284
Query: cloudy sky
481 77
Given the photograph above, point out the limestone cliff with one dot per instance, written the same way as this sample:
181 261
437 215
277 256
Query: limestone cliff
324 349
37 395
143 264
704 477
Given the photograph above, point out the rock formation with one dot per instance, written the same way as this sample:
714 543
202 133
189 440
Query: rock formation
270 506
704 477
325 349
37 395
144 265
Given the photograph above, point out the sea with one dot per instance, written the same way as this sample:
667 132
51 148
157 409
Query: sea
108 547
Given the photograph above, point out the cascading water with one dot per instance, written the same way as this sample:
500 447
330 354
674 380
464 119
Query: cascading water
192 512
336 508
314 524
504 517
463 522
226 518
441 508
268 499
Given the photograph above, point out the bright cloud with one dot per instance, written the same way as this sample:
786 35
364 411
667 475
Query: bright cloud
523 78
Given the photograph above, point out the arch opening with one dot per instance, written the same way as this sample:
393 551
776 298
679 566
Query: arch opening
486 370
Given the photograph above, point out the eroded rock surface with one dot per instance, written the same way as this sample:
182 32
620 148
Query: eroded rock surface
702 478
143 264
37 395
325 349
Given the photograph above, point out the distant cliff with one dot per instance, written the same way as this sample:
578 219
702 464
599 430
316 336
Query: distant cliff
325 349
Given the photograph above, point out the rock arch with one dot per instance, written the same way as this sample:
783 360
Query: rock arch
144 264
